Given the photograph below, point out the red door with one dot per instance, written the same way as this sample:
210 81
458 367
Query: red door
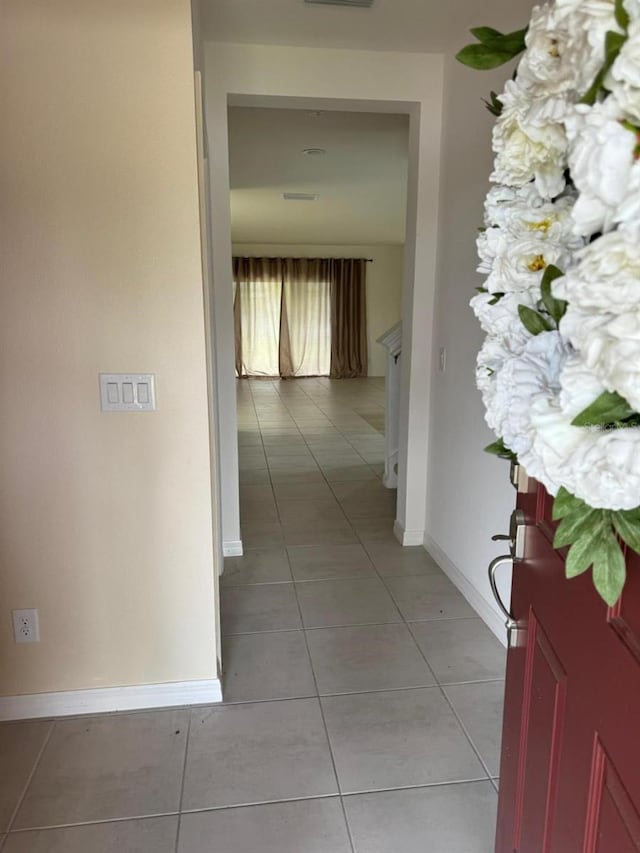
570 770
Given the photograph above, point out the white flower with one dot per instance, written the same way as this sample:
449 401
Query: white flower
544 69
530 144
624 78
603 317
601 467
501 318
606 275
520 265
524 378
603 167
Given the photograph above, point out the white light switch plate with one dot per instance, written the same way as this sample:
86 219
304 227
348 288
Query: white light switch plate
127 392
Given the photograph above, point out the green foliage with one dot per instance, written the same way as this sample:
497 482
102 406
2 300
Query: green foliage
532 320
622 16
627 525
609 571
608 408
498 448
555 307
494 104
493 49
591 535
612 44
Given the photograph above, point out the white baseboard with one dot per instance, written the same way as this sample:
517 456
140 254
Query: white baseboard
232 548
407 537
492 620
108 699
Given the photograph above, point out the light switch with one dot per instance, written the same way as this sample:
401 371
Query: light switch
127 392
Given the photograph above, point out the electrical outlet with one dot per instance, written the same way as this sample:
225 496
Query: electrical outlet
25 626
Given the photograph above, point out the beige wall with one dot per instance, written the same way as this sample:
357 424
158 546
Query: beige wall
469 495
106 518
384 283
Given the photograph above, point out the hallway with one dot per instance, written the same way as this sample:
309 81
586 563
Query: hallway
362 694
401 750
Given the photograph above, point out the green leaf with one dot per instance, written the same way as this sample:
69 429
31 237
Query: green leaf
609 571
612 44
627 524
498 448
608 408
486 35
532 320
482 58
555 307
573 526
622 16
512 43
496 298
494 105
565 503
580 555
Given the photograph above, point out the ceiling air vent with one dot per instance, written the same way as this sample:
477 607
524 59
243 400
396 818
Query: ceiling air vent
366 3
300 196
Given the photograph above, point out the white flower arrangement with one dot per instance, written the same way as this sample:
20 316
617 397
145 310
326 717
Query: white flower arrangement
559 370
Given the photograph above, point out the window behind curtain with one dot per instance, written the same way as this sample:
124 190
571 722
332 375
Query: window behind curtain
300 317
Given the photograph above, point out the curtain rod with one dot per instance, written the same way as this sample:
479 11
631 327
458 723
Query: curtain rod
281 258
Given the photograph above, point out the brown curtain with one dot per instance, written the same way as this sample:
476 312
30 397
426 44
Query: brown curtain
348 318
300 317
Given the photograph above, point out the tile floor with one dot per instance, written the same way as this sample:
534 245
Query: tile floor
362 694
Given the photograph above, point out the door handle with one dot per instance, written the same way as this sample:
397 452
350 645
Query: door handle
516 634
494 565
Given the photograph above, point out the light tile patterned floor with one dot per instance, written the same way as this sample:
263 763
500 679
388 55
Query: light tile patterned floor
362 694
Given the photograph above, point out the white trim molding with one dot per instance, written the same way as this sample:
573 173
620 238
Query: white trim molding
407 537
489 616
108 699
232 548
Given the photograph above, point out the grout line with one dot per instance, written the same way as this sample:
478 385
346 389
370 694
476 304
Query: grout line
440 686
50 826
36 763
184 773
324 723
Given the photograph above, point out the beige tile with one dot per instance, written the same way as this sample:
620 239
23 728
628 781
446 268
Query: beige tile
269 751
266 666
267 607
149 835
428 597
316 514
397 738
98 768
391 559
259 565
440 819
306 826
345 602
479 706
312 536
303 491
327 562
367 657
261 534
20 745
460 649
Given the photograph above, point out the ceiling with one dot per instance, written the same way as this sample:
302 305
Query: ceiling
361 180
403 25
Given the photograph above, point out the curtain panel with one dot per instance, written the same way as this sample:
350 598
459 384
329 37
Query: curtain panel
300 317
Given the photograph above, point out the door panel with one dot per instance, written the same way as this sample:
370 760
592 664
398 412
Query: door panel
570 769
